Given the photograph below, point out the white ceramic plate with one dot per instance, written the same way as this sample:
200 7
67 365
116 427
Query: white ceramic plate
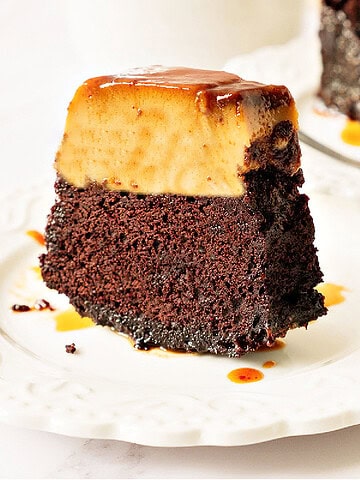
109 390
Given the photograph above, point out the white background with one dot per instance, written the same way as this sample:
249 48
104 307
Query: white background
47 48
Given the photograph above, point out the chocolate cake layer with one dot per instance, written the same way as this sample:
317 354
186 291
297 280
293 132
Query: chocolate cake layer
224 275
340 50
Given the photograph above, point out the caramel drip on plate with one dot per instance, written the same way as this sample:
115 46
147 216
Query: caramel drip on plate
333 293
278 345
351 133
37 236
37 270
245 375
269 364
71 320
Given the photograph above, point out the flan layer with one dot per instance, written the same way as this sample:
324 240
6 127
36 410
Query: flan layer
176 131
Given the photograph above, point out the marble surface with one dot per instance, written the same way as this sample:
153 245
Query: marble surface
41 69
27 454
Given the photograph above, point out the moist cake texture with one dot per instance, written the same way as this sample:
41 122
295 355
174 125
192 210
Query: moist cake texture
192 235
340 50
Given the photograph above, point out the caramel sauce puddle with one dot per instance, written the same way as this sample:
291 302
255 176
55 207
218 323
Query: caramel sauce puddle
277 345
333 293
245 375
351 133
269 364
70 320
37 236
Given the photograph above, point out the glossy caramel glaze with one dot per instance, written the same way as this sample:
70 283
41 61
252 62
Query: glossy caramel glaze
213 87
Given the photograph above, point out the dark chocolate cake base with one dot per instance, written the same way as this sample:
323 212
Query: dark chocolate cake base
340 50
224 275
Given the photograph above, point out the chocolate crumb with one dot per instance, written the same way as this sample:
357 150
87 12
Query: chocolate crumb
20 308
40 304
43 304
70 348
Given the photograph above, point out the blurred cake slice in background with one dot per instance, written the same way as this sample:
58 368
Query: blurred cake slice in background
340 50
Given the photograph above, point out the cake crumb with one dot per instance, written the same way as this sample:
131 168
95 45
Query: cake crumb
20 308
70 348
43 304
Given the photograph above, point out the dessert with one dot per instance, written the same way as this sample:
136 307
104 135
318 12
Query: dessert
340 50
178 218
